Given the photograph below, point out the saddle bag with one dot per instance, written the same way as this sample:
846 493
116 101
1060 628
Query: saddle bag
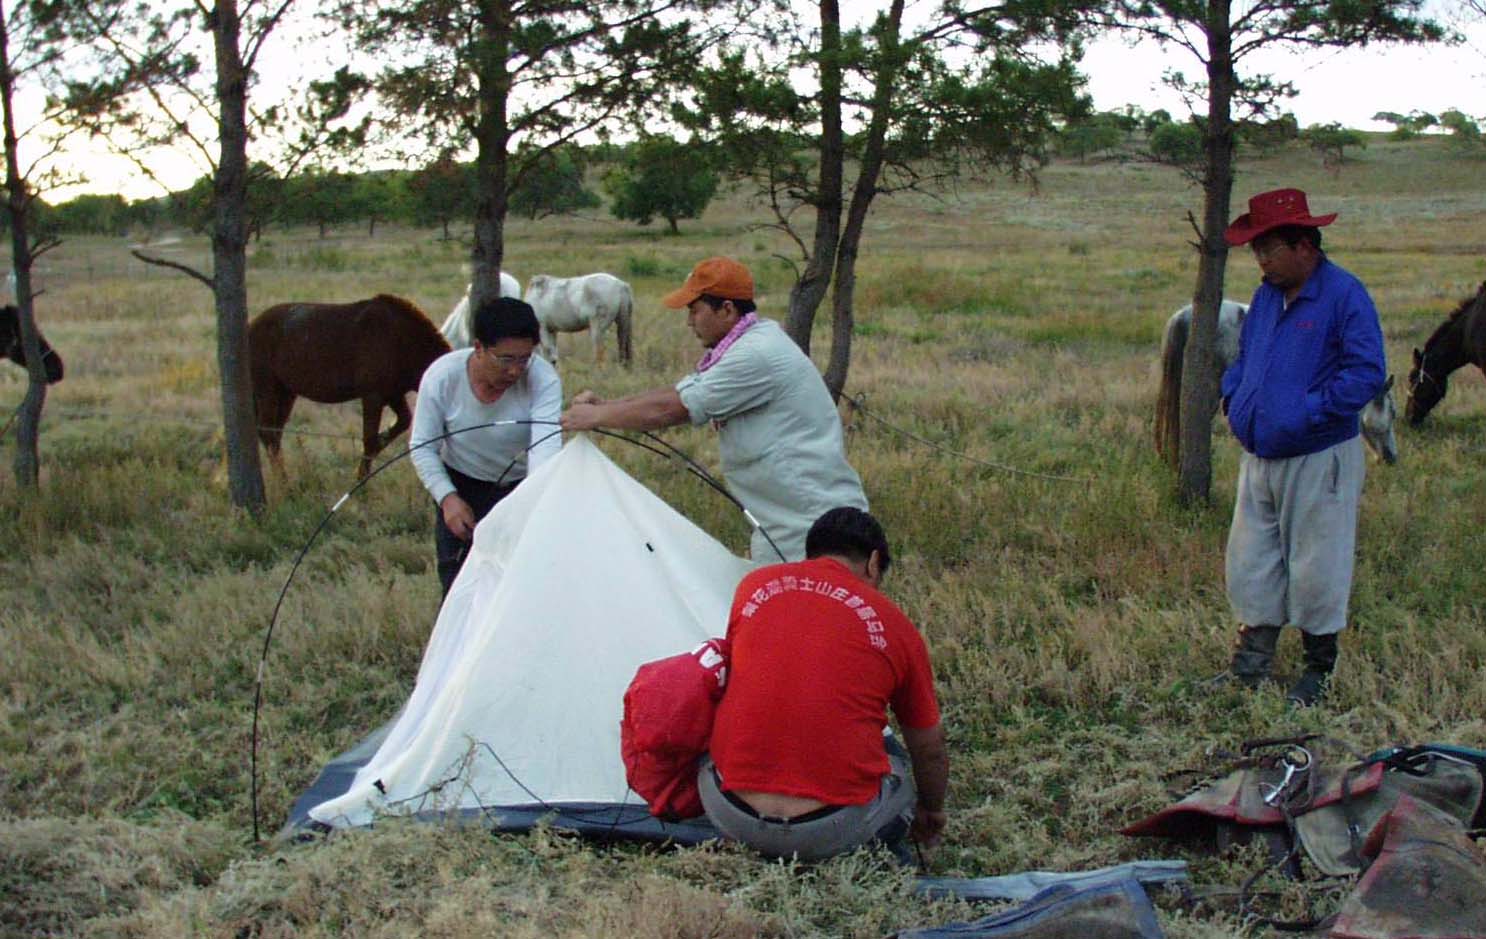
1293 797
1426 880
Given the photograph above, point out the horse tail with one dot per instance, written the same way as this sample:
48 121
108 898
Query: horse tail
1169 394
625 322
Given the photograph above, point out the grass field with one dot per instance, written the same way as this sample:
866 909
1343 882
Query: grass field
1070 622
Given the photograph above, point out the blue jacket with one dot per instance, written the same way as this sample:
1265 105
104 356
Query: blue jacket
1302 375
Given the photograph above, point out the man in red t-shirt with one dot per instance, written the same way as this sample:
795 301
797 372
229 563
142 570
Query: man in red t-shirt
799 764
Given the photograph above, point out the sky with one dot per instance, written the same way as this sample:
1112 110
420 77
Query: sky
1347 86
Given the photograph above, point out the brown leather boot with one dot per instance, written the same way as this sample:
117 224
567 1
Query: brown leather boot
1253 657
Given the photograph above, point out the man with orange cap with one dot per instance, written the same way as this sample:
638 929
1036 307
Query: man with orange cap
783 453
1310 357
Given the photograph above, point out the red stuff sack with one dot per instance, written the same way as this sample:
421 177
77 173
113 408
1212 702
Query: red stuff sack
667 726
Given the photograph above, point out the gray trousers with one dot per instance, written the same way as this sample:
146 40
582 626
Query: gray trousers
1294 535
816 835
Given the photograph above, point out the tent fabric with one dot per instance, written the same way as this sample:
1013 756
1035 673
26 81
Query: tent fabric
572 582
1117 909
1026 885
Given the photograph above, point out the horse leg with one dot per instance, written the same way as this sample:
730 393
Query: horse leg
596 330
549 343
272 408
404 419
371 436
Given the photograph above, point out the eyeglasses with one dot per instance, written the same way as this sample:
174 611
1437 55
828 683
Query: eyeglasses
518 362
1268 249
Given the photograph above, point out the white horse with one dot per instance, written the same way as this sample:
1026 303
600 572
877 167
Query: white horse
457 328
592 302
1378 414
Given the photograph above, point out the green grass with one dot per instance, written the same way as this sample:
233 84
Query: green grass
1070 622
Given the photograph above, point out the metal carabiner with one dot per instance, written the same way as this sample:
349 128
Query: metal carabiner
1297 760
1277 790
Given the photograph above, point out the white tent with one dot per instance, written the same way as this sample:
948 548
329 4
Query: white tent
576 579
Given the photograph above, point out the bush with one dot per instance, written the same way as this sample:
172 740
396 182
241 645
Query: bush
661 178
1093 135
1331 141
552 184
1463 130
1268 136
1177 144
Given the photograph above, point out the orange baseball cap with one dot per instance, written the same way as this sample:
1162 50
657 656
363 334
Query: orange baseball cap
715 277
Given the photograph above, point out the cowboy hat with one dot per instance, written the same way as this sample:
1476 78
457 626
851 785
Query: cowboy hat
1269 210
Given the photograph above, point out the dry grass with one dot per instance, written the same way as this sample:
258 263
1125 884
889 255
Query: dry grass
1070 622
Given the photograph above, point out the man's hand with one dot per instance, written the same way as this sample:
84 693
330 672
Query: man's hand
458 516
928 826
931 777
583 415
648 410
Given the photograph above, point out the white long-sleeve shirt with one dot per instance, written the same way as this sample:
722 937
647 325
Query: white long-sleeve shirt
447 403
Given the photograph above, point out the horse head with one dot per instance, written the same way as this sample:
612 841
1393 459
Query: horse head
1426 387
1378 416
12 348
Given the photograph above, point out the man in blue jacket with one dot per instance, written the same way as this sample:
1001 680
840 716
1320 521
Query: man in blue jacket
1310 356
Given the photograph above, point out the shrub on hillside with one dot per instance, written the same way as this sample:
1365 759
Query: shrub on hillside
1268 136
1177 144
661 178
1464 131
1096 134
553 185
1331 141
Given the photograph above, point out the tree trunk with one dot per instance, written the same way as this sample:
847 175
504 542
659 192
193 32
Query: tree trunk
810 289
843 319
229 258
492 134
1199 367
28 426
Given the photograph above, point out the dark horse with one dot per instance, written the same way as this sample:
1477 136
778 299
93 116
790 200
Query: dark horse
1460 340
12 348
375 350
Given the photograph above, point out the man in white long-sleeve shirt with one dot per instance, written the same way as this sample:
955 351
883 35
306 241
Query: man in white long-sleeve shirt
511 396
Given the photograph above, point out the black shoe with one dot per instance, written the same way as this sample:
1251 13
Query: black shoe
1253 657
1320 660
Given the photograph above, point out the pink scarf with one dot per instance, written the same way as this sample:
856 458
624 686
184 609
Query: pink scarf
715 353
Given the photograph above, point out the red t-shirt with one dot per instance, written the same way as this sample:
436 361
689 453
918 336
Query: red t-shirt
818 656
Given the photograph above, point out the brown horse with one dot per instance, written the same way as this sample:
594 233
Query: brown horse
12 348
375 350
1459 340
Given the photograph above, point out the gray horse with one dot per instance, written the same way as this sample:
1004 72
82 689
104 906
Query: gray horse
1378 414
